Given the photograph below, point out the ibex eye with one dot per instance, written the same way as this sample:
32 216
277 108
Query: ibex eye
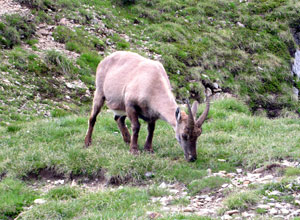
184 136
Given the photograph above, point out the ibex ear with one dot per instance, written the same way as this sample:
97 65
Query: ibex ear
178 115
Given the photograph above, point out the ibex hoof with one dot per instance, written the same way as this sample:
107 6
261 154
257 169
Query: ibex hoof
87 143
149 150
134 151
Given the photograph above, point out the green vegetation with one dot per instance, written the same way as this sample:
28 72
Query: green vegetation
241 201
233 135
206 184
126 203
292 171
63 193
15 29
244 47
78 40
14 195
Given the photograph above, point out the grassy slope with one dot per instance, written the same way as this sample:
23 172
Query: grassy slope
57 145
193 37
244 46
230 134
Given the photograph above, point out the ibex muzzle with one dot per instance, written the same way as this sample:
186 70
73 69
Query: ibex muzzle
188 129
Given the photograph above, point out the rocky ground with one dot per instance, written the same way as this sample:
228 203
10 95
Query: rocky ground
210 203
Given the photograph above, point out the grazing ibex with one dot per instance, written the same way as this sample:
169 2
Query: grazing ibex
137 87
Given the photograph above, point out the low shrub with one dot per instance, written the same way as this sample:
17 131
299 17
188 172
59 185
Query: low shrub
14 29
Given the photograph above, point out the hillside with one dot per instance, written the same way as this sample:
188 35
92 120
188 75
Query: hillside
248 154
50 50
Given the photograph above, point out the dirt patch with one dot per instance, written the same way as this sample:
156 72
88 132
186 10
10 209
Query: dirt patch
11 7
45 174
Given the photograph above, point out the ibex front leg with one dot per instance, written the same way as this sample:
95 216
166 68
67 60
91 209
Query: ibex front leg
148 144
135 124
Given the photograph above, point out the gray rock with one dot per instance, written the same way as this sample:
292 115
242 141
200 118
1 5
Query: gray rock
263 206
149 174
284 211
273 211
188 209
39 201
226 217
163 185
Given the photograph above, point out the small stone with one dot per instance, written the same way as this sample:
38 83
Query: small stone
174 191
73 183
39 201
208 199
221 160
263 206
232 212
163 185
153 215
209 172
284 211
226 217
273 211
149 174
188 209
239 170
225 185
246 214
240 24
247 182
166 209
278 206
274 193
296 213
268 177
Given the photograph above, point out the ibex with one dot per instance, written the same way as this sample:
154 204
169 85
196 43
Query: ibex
137 87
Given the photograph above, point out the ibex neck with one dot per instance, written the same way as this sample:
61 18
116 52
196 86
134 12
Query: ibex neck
167 112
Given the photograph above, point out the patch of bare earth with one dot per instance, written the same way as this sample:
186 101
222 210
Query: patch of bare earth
46 42
11 7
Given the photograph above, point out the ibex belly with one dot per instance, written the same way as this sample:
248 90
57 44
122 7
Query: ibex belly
119 113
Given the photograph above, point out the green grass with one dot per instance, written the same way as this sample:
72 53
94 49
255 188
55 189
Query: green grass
14 195
57 144
126 203
194 38
290 171
63 193
181 202
206 184
241 201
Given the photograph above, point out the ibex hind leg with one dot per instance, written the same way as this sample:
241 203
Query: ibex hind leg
124 131
135 124
97 105
148 144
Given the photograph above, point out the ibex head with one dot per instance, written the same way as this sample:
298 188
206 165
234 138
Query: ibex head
188 129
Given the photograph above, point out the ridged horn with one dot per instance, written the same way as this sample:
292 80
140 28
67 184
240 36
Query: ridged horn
191 122
204 114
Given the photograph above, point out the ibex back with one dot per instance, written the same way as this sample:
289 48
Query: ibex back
137 87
